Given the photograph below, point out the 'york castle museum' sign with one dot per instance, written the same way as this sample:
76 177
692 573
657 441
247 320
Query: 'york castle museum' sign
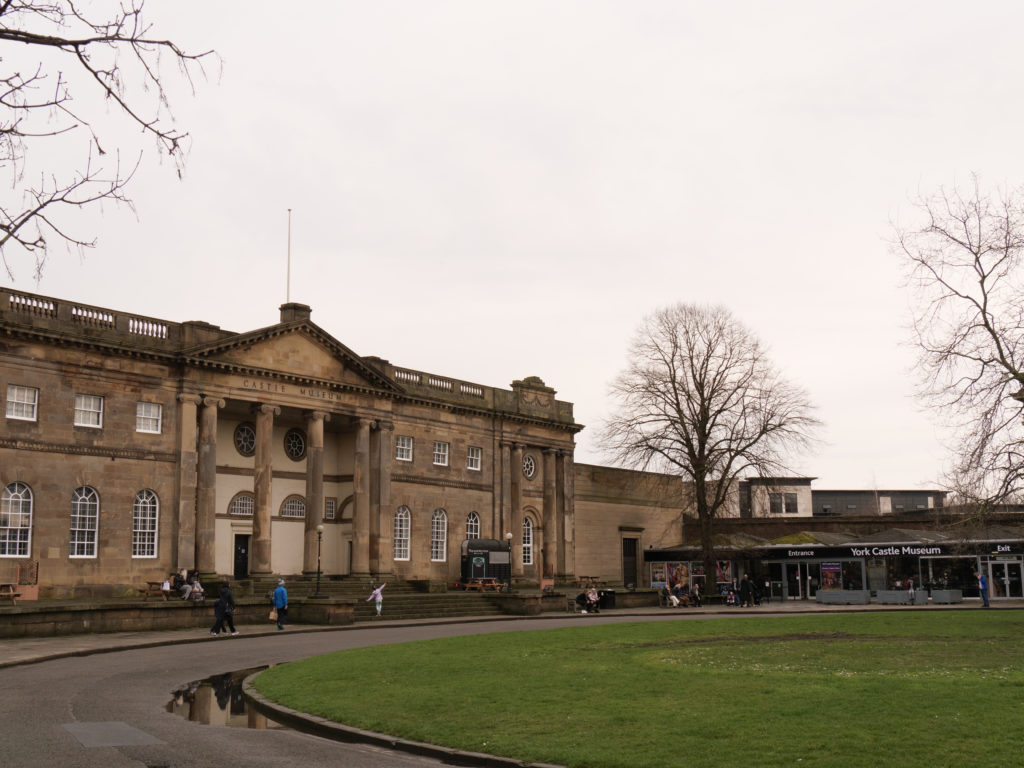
890 550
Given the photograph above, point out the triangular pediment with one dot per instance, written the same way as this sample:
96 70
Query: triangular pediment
297 349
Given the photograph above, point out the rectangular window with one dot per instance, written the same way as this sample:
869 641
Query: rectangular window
22 402
148 417
403 448
440 454
791 508
775 503
474 458
88 411
329 506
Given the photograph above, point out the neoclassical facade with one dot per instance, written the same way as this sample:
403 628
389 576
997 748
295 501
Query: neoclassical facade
132 446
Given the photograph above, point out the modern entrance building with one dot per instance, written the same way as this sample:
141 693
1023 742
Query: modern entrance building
797 566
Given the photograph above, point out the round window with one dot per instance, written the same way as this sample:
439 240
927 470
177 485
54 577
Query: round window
245 439
295 444
529 466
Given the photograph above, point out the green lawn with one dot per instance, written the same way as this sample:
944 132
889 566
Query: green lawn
937 688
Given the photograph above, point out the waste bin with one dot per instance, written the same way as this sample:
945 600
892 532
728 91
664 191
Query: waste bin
606 598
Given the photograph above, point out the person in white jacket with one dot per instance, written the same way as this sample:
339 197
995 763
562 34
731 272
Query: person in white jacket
377 597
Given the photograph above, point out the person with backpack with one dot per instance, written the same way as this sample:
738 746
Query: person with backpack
224 610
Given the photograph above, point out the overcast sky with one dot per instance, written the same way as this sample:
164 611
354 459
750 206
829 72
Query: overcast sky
494 190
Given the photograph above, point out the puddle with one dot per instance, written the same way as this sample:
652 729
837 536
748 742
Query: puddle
219 700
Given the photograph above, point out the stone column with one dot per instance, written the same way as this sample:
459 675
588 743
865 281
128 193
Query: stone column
263 488
515 521
550 515
184 546
314 486
382 453
361 502
502 491
567 490
206 489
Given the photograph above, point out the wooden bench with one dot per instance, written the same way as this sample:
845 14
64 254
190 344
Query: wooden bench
484 584
154 589
7 592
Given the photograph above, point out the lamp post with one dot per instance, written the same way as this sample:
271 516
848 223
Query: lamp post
508 582
319 539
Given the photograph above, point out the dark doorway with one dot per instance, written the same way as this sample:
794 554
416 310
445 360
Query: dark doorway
242 555
629 562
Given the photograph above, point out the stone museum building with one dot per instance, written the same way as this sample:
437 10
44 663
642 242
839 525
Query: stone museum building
132 447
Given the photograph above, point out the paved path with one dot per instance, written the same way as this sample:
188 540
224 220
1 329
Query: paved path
60 695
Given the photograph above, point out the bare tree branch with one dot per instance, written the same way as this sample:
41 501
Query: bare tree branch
120 59
963 264
699 399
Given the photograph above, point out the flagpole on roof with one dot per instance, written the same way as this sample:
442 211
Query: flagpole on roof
288 281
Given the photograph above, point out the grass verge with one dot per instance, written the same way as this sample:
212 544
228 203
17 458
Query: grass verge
868 689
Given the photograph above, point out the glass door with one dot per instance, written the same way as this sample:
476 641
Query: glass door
793 581
1005 580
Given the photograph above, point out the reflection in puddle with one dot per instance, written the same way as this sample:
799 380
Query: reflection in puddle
219 700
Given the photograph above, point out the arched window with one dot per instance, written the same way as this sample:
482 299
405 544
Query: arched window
473 526
243 505
527 541
85 521
439 536
16 521
294 506
145 514
402 525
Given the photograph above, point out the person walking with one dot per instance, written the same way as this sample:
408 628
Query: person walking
281 603
746 592
377 597
224 611
982 588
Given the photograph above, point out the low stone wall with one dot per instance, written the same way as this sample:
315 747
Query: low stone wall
947 596
43 620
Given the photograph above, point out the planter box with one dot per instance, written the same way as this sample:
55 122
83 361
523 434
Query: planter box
947 596
843 596
901 597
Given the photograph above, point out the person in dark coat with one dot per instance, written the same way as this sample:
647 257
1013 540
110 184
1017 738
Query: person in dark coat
224 610
746 592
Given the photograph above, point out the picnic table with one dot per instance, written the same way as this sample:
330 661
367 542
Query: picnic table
154 589
484 584
8 591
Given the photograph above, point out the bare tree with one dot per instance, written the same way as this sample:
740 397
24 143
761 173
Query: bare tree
700 399
77 63
963 260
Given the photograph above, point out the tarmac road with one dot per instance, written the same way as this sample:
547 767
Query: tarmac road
53 705
42 703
